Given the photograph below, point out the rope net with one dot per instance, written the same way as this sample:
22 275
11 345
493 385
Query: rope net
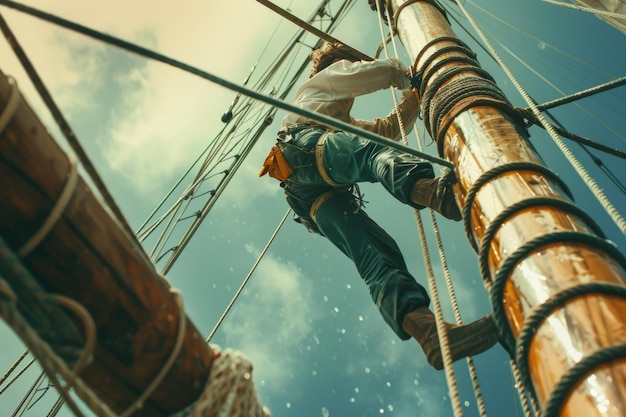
230 391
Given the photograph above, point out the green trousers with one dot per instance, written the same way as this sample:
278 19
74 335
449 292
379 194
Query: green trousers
348 160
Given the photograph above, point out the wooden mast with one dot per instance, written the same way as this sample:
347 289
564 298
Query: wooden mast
558 288
86 255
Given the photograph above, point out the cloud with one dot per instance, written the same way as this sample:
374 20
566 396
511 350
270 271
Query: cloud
155 119
276 320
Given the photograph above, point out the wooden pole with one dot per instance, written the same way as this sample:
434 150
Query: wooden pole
87 256
558 288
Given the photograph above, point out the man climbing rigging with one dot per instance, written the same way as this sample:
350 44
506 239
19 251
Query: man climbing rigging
319 170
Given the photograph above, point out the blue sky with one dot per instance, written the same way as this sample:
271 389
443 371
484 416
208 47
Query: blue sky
305 319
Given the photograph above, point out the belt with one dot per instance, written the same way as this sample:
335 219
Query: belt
319 201
319 161
284 134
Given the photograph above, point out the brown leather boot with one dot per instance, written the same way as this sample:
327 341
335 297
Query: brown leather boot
464 340
437 193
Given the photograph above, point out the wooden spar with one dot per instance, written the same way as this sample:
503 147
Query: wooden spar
312 29
558 288
88 257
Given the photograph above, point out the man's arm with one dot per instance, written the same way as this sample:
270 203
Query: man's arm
408 108
345 79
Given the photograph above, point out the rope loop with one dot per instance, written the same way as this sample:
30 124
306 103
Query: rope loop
465 103
178 344
497 290
447 92
577 372
433 3
483 253
90 333
528 117
468 57
493 173
55 213
90 341
463 47
11 106
529 329
470 90
380 7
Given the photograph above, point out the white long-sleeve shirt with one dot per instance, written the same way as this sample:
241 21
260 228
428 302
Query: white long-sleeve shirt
331 92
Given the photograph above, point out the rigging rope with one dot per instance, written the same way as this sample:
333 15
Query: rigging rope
531 36
432 215
565 385
608 15
453 300
12 367
566 99
56 407
220 81
25 403
591 183
16 377
532 119
247 278
442 334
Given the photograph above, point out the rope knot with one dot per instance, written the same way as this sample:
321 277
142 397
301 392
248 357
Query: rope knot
527 116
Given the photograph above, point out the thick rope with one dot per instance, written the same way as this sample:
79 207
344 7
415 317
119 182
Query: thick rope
441 332
229 388
523 394
600 88
89 326
49 361
38 307
455 306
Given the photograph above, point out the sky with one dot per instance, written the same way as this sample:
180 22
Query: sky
305 319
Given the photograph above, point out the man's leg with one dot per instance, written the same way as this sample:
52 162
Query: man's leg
376 257
402 302
349 159
438 194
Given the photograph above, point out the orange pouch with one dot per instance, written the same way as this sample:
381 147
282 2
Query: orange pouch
276 165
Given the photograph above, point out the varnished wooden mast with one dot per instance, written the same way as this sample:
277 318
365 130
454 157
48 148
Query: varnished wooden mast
88 257
558 288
